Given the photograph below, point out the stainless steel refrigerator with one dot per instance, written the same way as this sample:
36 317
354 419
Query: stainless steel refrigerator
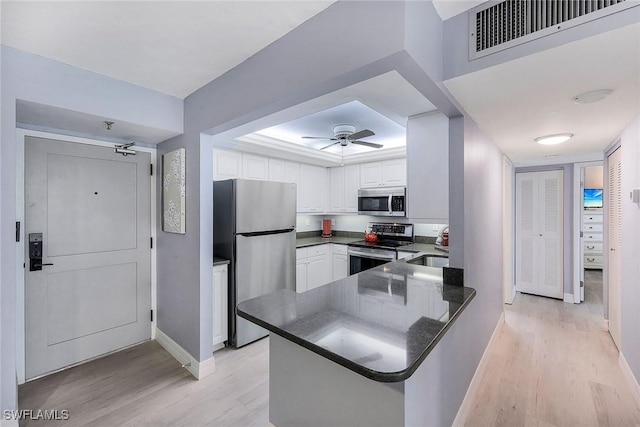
254 227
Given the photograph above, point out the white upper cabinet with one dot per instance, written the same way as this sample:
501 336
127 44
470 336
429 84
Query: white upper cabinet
387 173
428 168
345 182
226 164
255 167
312 189
276 170
394 172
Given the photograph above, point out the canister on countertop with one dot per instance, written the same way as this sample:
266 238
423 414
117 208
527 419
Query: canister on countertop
326 228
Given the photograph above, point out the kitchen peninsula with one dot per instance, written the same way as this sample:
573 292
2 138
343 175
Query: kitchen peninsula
355 351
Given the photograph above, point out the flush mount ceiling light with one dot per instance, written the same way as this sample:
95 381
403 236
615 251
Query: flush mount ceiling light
592 96
554 139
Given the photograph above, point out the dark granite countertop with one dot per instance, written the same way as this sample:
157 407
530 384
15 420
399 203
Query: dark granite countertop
219 261
381 323
424 248
317 240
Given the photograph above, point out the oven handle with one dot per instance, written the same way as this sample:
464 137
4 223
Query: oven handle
370 255
390 208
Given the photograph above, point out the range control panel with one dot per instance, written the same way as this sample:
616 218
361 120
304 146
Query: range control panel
392 229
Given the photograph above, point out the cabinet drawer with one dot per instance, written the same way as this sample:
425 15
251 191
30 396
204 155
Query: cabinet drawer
590 227
301 253
592 218
592 247
318 250
594 261
593 236
339 249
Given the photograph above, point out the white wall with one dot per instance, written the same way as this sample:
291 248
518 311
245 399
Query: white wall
630 290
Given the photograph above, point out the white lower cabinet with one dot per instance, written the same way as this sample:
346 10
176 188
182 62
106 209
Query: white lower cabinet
313 267
340 267
220 310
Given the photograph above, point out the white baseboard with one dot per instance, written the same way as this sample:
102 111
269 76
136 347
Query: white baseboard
568 298
198 369
474 386
631 379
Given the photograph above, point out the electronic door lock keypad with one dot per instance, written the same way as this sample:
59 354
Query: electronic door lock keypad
35 252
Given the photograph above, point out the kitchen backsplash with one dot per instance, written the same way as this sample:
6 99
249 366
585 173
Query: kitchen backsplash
359 223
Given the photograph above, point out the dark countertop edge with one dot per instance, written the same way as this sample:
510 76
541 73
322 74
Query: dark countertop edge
326 241
220 261
384 377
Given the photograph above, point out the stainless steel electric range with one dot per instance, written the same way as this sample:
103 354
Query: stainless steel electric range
391 237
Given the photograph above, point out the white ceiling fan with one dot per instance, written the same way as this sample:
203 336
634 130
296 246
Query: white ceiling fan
345 134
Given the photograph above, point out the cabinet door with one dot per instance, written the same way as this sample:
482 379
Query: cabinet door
318 271
301 275
337 189
370 174
351 187
428 168
306 188
276 170
292 174
220 278
340 267
394 172
255 167
226 165
321 189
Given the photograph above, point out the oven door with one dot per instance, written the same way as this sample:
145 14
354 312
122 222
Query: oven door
361 259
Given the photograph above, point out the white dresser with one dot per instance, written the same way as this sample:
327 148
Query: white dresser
592 227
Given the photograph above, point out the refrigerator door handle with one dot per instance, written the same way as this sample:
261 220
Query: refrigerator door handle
266 233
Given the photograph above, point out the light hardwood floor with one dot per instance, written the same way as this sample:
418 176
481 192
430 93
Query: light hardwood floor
554 364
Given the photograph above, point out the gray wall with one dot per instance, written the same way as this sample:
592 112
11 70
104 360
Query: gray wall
630 145
37 79
567 218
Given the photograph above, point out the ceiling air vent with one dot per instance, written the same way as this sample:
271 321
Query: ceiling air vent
502 25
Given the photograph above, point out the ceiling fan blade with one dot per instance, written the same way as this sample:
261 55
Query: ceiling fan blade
319 137
368 144
331 145
362 134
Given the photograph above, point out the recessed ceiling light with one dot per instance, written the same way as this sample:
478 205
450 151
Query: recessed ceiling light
592 96
554 139
552 156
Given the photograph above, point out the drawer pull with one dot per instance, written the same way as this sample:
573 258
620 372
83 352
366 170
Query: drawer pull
591 259
591 247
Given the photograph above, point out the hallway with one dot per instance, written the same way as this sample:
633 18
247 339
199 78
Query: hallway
554 364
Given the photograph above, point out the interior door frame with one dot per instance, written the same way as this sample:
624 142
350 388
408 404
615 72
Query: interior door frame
21 135
578 259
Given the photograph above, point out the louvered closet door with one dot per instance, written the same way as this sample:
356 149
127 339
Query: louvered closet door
527 258
539 227
614 212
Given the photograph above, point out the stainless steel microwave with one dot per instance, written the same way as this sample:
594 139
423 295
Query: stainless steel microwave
387 201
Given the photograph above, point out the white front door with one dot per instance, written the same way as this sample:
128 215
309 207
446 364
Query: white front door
93 292
614 277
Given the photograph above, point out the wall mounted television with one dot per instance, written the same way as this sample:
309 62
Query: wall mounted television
592 198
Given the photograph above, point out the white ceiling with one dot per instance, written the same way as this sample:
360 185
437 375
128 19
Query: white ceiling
517 101
174 47
450 8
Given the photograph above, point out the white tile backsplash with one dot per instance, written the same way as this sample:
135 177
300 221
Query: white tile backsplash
359 223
